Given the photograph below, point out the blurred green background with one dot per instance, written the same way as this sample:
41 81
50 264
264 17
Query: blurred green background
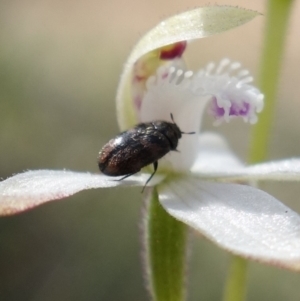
60 62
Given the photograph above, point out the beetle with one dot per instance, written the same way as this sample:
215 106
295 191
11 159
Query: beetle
144 144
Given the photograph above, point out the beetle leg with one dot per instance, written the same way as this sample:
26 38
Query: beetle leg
129 175
155 165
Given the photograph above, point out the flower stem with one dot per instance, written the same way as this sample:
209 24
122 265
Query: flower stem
165 253
278 12
235 289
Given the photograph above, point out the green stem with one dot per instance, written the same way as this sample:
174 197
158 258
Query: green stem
277 21
165 253
235 289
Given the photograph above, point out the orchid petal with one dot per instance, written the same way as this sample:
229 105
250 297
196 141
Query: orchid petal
32 188
216 160
193 24
214 156
241 219
283 170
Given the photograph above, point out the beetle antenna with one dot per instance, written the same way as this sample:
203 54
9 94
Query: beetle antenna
172 118
189 133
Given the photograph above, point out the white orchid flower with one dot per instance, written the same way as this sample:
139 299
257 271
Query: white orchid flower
196 185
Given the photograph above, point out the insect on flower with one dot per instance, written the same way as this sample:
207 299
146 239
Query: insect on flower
146 143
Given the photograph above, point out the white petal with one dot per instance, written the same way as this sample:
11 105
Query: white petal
214 157
32 188
284 170
239 218
193 24
215 160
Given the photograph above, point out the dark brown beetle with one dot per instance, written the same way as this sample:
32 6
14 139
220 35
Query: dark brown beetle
138 147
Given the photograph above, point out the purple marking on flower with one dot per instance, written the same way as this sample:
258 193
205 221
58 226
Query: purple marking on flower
215 110
231 92
239 109
236 109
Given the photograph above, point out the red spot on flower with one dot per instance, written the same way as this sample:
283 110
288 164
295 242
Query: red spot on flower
173 51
